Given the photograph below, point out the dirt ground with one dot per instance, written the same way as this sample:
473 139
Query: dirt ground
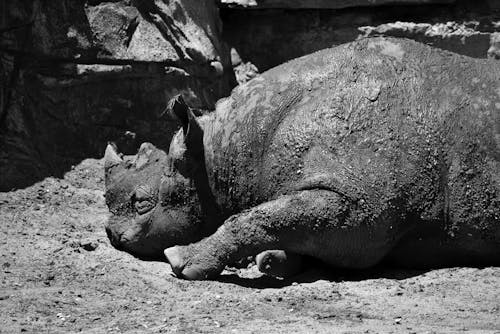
59 274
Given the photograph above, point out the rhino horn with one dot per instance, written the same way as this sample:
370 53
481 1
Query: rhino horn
112 162
144 155
111 156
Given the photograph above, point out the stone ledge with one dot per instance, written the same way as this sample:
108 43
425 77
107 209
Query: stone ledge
321 4
451 36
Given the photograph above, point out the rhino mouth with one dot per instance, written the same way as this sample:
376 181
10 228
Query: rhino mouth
134 238
114 239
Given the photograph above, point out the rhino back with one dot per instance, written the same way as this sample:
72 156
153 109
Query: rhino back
382 121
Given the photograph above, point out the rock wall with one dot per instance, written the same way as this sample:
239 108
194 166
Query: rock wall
320 4
76 74
268 37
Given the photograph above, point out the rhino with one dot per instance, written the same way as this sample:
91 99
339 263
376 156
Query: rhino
381 149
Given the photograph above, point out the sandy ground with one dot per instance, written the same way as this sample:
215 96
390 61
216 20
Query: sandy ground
59 274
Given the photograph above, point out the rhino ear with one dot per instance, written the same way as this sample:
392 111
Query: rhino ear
193 133
181 111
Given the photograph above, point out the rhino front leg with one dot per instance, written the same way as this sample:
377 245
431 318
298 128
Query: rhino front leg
317 223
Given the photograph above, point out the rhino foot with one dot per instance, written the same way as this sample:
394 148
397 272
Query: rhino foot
175 259
188 262
179 264
279 263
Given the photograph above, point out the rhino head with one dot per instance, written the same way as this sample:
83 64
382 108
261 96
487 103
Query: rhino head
159 200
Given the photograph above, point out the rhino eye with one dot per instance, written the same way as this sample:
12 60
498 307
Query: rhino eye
143 199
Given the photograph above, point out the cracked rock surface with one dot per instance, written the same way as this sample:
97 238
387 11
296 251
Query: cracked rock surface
77 74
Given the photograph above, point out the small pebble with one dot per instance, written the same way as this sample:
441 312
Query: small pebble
89 245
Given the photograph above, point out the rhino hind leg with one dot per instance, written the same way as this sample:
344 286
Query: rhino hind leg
277 263
315 223
280 263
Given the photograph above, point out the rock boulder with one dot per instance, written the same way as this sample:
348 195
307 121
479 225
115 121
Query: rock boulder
75 75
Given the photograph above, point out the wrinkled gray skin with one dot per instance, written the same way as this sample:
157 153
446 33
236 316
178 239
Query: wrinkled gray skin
377 149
